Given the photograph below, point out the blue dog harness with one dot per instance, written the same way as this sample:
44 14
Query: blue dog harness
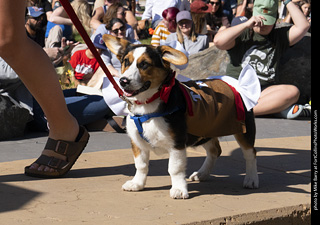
139 119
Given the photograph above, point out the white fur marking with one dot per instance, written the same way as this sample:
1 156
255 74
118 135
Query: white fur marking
251 180
133 72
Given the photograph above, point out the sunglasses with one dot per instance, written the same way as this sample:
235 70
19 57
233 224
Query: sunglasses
214 3
122 28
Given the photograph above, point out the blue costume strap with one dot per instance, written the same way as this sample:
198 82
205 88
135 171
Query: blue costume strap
139 119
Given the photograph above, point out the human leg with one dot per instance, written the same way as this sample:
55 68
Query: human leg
276 98
88 108
85 108
37 72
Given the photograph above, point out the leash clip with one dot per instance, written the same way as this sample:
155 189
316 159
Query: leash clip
125 99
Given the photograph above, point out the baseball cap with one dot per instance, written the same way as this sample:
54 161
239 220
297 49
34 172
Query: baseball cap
200 7
183 15
238 20
34 11
99 43
266 8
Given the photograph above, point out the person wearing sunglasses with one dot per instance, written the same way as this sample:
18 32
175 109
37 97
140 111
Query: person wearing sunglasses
216 19
116 10
117 28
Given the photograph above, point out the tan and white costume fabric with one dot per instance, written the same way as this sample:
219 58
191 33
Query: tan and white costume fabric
248 87
214 111
215 107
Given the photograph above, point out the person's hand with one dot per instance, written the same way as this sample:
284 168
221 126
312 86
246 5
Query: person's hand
67 46
53 53
255 21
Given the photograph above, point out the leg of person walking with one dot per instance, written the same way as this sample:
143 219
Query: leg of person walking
37 72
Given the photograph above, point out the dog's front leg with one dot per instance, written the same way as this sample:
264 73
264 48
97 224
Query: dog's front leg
177 171
141 160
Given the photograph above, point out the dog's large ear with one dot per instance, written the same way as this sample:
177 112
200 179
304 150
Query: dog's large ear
172 55
116 45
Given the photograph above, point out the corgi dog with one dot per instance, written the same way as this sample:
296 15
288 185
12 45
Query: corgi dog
166 115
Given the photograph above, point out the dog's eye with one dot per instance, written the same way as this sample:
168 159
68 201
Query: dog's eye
143 65
126 62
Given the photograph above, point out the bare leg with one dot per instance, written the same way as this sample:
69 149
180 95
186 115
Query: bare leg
276 98
36 71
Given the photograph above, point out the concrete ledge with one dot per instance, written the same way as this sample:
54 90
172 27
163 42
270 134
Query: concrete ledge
292 215
91 192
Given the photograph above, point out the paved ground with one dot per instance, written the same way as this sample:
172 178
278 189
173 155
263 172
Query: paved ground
91 193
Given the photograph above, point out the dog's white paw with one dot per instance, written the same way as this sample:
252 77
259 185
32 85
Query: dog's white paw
176 193
251 181
132 186
198 176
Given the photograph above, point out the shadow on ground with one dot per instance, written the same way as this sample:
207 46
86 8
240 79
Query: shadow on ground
280 171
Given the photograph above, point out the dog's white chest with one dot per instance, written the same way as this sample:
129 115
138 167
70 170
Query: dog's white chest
155 133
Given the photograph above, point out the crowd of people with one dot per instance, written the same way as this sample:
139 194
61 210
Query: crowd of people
245 28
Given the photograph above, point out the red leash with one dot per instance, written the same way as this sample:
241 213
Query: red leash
75 20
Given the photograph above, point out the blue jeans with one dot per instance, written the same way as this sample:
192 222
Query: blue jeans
85 108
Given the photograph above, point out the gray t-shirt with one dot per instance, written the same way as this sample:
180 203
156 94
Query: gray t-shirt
191 47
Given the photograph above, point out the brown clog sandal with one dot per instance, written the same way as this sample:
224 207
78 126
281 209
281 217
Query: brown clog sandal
71 150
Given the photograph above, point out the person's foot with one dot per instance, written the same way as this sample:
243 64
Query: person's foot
59 156
38 167
296 111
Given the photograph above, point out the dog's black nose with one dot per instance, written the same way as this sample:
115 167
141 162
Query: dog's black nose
124 81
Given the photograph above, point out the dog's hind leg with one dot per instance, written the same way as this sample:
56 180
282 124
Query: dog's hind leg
246 142
141 160
177 171
213 152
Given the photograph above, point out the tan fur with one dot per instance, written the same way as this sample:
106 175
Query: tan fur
243 142
130 58
169 54
174 56
136 151
114 43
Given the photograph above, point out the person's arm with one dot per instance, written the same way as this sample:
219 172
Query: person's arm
226 39
95 21
131 19
147 14
300 24
60 16
155 39
241 9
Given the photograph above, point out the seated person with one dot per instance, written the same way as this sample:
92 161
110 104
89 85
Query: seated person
153 10
116 10
85 108
117 28
34 24
167 26
191 42
60 25
99 12
84 63
216 19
